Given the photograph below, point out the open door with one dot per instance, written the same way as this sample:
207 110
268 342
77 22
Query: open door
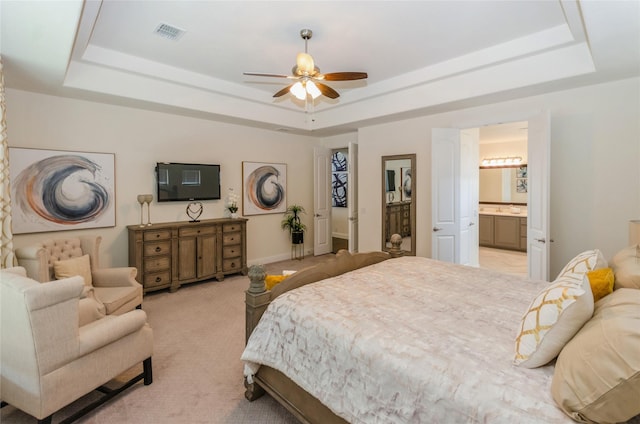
321 201
538 232
469 182
352 197
445 194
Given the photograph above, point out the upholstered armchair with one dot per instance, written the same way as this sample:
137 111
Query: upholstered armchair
48 360
115 288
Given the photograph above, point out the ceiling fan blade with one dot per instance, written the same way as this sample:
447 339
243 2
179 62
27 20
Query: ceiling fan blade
283 91
344 76
327 91
266 75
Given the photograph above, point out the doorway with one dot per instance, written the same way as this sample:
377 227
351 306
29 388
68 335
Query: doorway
502 195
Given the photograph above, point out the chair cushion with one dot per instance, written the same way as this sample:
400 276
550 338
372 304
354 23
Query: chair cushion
75 266
113 298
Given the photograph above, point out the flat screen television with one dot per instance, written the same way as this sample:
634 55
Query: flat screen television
187 181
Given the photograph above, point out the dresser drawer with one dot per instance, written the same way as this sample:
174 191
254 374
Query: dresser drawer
197 231
156 264
157 248
157 279
231 264
231 228
231 251
231 238
157 235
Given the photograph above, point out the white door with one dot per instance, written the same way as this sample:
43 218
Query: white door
352 196
321 201
538 210
469 183
445 194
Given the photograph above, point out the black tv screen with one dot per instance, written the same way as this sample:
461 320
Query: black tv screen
187 181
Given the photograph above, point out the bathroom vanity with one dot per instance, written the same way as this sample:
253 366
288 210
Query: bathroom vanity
503 229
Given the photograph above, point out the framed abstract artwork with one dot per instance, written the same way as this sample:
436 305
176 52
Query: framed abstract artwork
54 190
264 188
405 190
339 179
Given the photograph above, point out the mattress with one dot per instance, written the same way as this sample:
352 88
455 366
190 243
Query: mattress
408 340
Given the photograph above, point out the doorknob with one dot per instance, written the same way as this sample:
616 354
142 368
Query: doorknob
437 229
471 224
317 215
541 240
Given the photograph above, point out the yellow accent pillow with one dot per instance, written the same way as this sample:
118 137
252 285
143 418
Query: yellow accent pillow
601 281
75 266
272 280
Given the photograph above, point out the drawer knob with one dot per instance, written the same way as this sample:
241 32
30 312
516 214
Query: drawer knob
158 279
158 249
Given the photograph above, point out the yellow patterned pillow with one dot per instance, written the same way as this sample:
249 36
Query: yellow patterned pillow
584 262
601 281
552 319
270 281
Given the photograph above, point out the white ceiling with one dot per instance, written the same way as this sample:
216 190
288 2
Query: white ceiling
421 56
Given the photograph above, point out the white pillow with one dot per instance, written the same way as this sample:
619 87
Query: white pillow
552 319
584 262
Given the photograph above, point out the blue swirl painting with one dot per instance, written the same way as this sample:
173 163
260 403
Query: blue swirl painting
264 188
53 190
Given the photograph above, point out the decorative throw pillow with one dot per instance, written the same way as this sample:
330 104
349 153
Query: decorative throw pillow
584 262
626 267
601 282
554 316
597 374
74 266
270 281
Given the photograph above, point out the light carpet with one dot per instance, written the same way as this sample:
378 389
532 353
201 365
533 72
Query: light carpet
197 373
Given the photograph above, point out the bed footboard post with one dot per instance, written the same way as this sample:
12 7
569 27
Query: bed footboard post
257 298
396 251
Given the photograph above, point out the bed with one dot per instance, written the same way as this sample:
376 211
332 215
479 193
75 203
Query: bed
367 338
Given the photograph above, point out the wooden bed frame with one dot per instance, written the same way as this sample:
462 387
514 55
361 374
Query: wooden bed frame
306 408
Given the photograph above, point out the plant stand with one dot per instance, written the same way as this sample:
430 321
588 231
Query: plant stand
297 251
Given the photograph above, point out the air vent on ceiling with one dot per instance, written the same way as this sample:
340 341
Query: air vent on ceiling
169 31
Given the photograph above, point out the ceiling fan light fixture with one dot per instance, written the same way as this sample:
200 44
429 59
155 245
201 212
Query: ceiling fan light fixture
304 63
313 90
298 90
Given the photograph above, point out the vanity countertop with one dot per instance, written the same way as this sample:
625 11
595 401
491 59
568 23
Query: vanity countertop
503 212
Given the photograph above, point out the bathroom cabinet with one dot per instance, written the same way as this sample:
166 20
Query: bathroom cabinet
503 232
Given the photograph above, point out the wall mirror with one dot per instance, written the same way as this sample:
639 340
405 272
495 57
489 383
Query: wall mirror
398 189
503 185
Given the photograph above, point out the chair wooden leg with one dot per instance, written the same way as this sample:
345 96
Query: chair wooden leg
148 371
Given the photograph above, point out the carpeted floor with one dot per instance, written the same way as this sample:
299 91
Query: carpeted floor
197 372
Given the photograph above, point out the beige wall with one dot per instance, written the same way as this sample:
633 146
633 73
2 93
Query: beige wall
595 151
139 139
595 176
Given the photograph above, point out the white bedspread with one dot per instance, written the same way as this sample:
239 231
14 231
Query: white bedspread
408 340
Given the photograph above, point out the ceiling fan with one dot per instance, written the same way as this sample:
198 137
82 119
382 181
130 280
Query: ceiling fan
308 76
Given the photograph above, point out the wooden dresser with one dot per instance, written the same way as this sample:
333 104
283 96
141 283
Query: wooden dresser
398 219
170 254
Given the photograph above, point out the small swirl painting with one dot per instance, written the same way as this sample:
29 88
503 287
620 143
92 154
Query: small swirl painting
264 188
54 190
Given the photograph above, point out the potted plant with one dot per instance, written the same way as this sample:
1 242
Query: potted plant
291 222
232 203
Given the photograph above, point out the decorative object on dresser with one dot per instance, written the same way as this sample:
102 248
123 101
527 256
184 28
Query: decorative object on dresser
232 203
194 210
170 254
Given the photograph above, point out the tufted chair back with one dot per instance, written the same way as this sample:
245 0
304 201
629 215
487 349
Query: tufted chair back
39 263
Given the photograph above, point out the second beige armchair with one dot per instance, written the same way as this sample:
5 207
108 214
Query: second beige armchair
115 289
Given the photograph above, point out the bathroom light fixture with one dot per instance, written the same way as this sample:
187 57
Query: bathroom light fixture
503 161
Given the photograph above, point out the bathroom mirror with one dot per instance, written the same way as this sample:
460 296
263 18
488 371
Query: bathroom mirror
504 185
398 189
